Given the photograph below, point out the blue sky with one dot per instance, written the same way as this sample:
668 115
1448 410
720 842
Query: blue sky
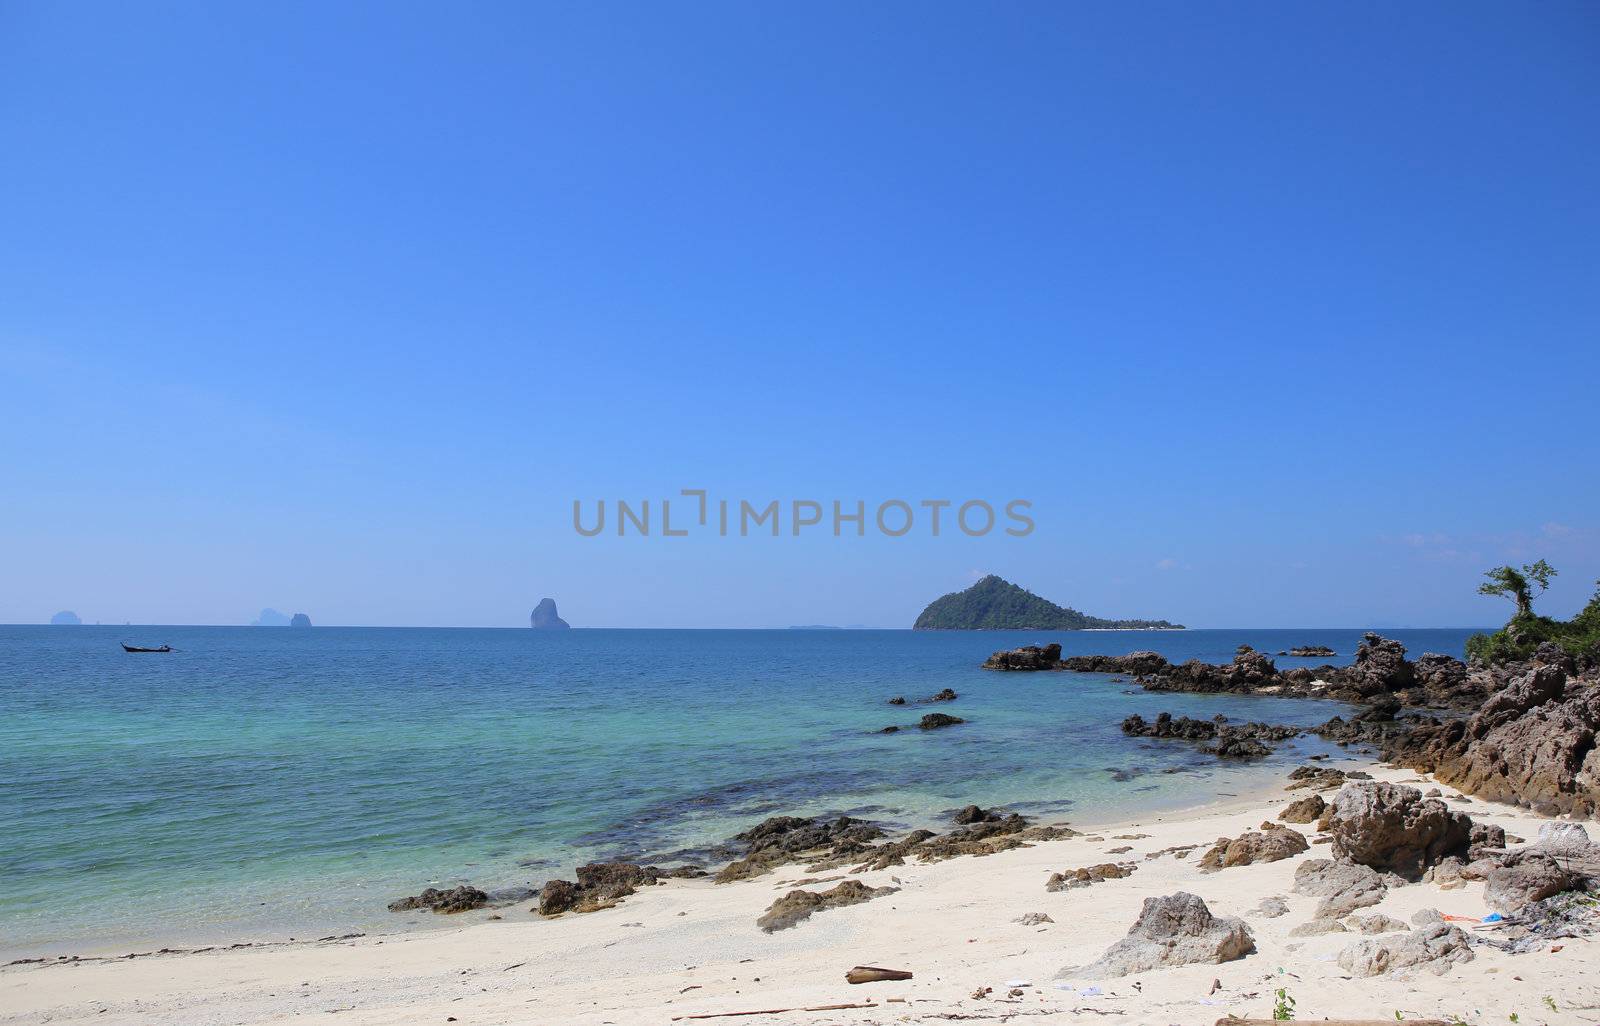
1280 315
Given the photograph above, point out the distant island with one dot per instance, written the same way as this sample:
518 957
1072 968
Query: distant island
995 604
270 618
66 618
300 620
545 618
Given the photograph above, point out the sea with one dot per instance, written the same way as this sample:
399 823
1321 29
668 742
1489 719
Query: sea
263 784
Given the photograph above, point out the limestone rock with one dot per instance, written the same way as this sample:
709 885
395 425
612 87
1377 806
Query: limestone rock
1393 828
798 904
1177 929
545 618
1342 886
1435 947
1270 844
1307 810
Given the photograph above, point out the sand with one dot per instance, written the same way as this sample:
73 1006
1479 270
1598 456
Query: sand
691 947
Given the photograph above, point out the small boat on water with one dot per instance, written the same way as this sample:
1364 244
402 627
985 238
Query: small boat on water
134 648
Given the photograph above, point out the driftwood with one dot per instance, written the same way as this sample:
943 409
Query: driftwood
873 974
775 1011
1336 1022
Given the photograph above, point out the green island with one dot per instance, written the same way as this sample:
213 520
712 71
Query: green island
995 604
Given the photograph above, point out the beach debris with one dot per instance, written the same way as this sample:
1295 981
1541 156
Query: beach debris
1435 948
874 974
1086 875
1559 917
798 905
1270 844
1033 919
778 1011
1342 886
1306 810
1175 929
1392 828
981 993
456 899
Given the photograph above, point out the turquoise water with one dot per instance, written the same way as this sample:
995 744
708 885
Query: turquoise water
264 783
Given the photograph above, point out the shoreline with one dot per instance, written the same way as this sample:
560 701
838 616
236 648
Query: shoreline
694 949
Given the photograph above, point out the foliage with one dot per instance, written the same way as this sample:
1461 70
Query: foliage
1517 585
1283 1008
996 604
1525 632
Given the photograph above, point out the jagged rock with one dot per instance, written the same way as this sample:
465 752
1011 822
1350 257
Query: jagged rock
1226 740
1306 810
1033 919
797 905
1393 828
781 839
1436 948
1531 744
947 695
1426 917
1380 666
1271 843
601 885
1318 927
544 618
1135 664
1029 657
1177 929
971 814
1311 651
1086 875
933 721
1342 886
1321 778
1377 923
456 899
1526 876
898 700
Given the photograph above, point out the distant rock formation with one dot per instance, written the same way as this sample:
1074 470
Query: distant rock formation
300 620
544 617
996 604
66 618
270 618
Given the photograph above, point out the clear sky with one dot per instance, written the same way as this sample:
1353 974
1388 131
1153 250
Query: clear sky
1279 314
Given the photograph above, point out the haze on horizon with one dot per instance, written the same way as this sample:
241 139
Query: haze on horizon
1278 315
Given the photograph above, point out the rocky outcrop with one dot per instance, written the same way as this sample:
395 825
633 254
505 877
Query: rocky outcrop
1435 948
799 904
947 695
1311 652
1084 876
783 839
1342 886
1271 843
1392 828
544 617
1134 664
1221 738
1029 657
1532 744
456 899
1307 810
934 721
602 885
970 814
1177 929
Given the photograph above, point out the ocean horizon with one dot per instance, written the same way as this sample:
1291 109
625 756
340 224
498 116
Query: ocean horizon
266 784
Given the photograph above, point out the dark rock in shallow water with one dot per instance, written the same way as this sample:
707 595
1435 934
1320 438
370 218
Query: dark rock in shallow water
1312 651
601 885
781 839
898 700
1029 657
1225 740
456 899
947 695
970 814
1135 663
891 729
933 721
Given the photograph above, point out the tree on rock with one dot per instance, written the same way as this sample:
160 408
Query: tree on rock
1517 585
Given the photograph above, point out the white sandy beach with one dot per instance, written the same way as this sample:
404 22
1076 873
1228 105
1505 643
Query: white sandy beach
691 948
